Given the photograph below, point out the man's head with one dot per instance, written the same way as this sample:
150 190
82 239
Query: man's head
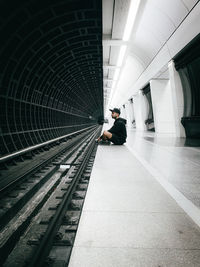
115 113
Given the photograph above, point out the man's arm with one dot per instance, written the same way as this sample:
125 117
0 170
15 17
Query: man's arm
110 131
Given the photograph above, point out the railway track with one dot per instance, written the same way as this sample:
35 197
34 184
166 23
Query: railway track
39 216
20 165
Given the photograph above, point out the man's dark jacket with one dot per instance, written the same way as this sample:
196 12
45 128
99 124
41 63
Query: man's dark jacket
119 129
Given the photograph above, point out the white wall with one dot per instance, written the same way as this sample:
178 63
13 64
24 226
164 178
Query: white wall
123 112
128 114
162 102
131 113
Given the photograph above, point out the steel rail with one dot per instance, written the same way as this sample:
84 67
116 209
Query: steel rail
45 245
35 168
31 148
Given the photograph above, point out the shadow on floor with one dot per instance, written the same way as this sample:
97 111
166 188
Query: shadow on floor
173 141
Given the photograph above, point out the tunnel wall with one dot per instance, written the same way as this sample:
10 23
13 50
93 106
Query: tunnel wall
50 70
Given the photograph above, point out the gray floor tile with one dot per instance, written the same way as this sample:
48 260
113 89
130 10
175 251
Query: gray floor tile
137 230
129 195
128 257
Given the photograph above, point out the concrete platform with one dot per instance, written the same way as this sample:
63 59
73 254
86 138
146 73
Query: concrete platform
135 213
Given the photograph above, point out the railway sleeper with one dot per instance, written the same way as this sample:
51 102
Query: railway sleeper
15 200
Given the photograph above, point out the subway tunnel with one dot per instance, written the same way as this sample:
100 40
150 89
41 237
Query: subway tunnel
51 70
69 196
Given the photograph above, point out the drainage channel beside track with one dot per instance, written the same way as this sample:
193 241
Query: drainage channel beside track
42 212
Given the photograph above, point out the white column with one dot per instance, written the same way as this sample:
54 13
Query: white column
161 94
140 110
128 114
131 112
177 96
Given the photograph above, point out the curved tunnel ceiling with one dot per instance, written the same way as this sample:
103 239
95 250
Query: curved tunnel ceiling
50 69
155 23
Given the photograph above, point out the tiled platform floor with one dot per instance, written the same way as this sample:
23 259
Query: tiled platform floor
174 158
129 219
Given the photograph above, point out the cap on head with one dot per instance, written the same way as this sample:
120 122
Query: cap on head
115 110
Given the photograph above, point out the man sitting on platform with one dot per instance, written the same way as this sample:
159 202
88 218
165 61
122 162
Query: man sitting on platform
117 133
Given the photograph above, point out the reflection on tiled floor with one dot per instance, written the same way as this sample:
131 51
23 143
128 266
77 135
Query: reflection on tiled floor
178 162
173 141
128 219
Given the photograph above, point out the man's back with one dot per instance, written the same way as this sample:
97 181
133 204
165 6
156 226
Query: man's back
119 129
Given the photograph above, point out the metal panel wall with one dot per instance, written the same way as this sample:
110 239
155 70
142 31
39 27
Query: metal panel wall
50 69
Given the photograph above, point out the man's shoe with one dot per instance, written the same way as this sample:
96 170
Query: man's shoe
104 142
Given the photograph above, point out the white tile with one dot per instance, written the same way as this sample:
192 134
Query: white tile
129 195
127 187
137 230
128 257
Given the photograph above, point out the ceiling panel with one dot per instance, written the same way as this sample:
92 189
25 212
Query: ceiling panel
120 16
107 16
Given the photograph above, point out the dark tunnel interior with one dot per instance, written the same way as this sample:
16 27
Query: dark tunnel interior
50 70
